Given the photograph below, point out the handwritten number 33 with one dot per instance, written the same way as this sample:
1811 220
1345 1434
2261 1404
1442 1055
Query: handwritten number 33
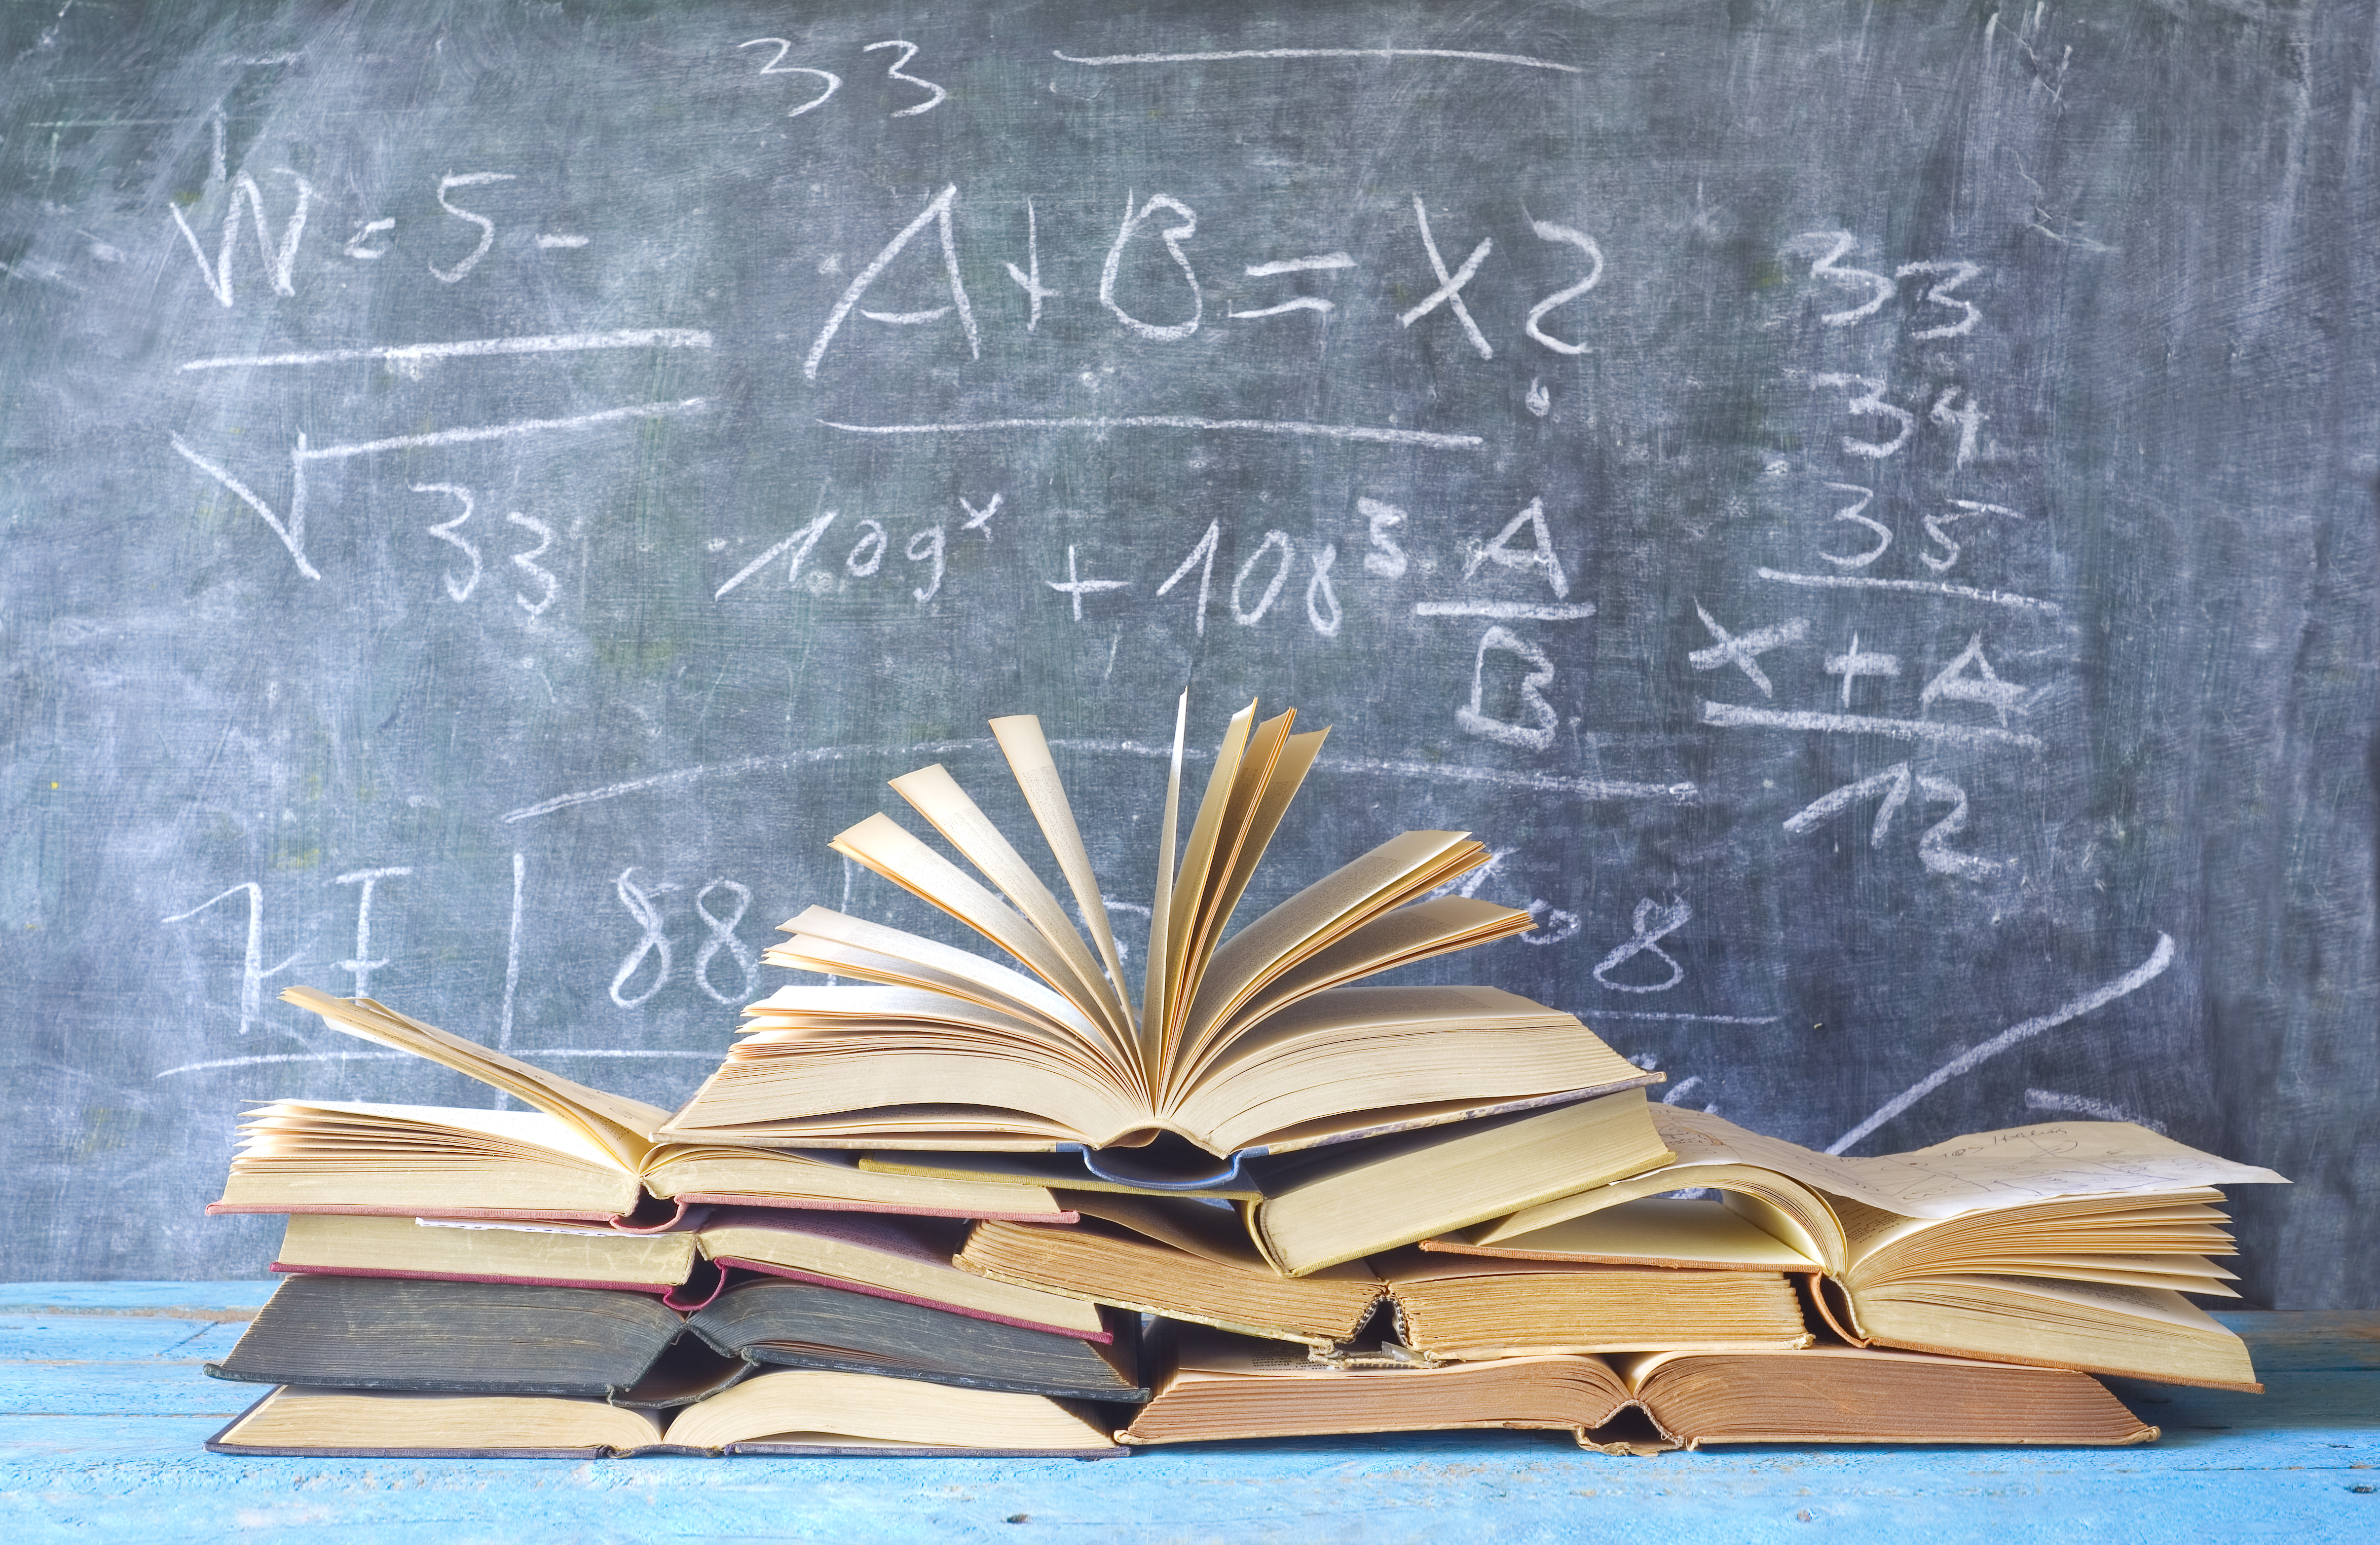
776 66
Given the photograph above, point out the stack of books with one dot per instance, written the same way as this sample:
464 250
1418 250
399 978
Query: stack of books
945 1204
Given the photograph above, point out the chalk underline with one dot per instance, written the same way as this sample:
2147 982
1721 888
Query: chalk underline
1507 610
1698 1019
550 342
1524 61
1535 783
1913 587
1374 434
1733 716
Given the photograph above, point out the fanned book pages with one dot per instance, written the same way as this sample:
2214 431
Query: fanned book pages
1253 1043
2068 1244
1211 1385
577 1153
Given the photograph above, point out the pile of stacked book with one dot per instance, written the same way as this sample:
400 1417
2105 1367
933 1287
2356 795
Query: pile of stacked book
942 1204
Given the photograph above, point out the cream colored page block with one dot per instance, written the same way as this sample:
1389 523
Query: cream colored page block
406 1419
893 1410
1410 933
1213 901
1187 912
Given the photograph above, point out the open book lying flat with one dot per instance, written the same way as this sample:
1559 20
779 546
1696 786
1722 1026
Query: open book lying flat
789 1412
578 1153
1251 1043
1214 1386
2067 1244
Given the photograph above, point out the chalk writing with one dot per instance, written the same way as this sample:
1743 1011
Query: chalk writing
253 972
1652 922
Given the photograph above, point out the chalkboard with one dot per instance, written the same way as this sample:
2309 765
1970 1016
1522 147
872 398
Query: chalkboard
1868 509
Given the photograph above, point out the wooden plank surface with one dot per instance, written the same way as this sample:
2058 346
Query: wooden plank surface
102 1409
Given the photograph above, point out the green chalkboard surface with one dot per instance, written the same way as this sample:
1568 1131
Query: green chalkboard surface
1866 508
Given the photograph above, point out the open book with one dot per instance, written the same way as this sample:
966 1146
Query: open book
1254 1044
787 1412
2068 1244
577 1153
1211 1385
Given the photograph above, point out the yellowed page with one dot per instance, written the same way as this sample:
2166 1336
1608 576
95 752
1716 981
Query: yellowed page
829 941
1657 1231
1153 994
303 1418
1975 1174
890 849
1287 774
289 1128
1036 774
418 1247
1198 857
1398 870
1811 1216
623 1128
897 1007
894 1255
1400 938
1208 906
893 1410
935 795
1212 1234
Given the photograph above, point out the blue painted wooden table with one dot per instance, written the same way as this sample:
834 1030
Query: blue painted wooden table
102 1409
